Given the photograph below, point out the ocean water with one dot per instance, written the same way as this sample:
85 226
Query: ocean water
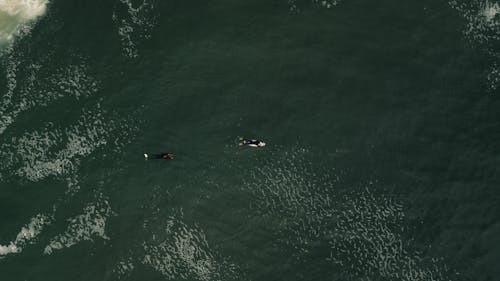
381 120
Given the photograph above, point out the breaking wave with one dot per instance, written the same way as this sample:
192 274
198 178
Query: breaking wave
17 17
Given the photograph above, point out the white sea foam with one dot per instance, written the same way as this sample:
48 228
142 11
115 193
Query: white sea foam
85 227
124 267
494 76
490 11
135 25
34 149
483 29
11 71
17 15
368 230
181 252
328 4
176 250
25 9
364 231
73 186
34 91
27 234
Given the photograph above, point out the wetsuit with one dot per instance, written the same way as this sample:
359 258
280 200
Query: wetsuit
167 156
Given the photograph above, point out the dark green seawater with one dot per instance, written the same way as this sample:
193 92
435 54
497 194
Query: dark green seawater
381 120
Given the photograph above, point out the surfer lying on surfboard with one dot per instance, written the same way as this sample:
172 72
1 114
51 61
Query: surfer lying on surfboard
163 155
252 143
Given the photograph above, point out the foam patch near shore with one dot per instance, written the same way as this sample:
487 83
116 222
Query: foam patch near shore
17 15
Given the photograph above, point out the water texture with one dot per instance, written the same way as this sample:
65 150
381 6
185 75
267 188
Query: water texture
380 119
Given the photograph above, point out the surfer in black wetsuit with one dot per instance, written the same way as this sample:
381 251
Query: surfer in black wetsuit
163 155
252 143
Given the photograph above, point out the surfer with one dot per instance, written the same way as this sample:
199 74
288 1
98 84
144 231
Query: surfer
252 143
163 155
